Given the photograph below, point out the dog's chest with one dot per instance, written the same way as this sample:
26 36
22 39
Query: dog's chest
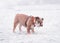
32 26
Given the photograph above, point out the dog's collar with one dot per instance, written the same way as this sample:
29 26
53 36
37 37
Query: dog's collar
26 21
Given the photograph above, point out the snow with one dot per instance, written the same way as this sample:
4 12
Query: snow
49 33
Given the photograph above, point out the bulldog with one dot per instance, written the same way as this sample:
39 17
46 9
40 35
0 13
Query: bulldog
27 21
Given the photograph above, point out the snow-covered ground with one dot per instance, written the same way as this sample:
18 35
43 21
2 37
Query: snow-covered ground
49 33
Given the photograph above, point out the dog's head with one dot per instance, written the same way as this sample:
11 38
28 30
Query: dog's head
39 21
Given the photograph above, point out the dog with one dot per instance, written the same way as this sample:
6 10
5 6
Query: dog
27 21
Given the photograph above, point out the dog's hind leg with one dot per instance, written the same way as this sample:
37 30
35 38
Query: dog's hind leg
15 24
20 27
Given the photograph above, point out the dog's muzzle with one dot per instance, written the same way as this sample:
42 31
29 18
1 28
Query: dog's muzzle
41 24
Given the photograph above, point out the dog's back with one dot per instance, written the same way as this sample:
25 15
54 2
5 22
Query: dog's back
21 18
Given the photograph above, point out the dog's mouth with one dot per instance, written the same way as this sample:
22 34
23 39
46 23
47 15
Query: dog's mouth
39 24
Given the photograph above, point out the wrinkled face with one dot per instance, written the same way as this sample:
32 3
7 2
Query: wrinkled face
39 21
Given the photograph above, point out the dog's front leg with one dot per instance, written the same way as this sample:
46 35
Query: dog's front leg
32 30
28 30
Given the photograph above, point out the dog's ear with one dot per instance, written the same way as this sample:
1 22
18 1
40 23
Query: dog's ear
37 18
42 18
